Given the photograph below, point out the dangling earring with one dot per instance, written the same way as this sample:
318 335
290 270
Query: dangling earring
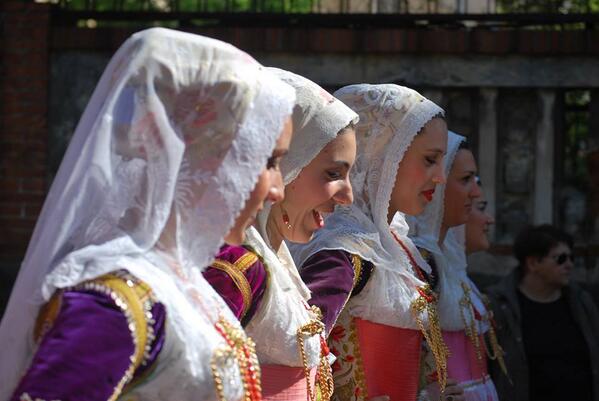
286 218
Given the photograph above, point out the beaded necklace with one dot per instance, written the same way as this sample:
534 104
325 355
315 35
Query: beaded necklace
427 302
324 375
239 347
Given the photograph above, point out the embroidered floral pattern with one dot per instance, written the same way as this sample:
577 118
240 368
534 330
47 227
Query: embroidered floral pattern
348 370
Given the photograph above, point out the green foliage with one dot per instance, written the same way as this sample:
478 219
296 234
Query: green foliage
287 6
548 6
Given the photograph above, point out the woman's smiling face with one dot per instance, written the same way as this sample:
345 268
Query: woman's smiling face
321 185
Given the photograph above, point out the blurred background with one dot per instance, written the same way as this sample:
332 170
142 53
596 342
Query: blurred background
519 78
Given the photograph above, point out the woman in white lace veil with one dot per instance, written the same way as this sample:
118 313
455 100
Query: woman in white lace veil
439 232
315 174
168 150
393 170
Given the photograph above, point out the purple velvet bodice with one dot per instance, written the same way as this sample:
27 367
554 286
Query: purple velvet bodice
255 275
329 274
87 350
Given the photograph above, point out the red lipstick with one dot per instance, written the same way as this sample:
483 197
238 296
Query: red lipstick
318 219
428 194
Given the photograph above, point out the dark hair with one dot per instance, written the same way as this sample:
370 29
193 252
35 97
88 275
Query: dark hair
464 145
538 241
350 126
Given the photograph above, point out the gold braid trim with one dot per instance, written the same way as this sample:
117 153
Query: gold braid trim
324 386
241 349
427 302
470 329
246 261
497 351
357 262
358 371
134 298
240 281
47 316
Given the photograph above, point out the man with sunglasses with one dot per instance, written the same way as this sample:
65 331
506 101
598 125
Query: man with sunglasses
547 325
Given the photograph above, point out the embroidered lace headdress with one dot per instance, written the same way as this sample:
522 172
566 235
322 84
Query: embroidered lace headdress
450 258
173 140
390 118
317 119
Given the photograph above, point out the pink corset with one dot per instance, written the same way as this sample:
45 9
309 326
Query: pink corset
391 358
285 383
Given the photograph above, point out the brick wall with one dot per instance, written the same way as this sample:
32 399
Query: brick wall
23 122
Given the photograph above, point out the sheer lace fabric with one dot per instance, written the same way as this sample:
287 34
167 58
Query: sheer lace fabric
450 257
390 117
164 156
317 119
283 310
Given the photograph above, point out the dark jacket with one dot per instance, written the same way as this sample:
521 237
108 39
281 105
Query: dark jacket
506 310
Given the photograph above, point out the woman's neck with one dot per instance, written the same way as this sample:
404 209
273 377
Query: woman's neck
274 236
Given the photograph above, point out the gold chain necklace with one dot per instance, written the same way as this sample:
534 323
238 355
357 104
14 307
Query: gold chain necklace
324 376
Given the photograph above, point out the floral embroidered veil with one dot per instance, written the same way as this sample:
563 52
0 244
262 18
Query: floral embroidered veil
172 141
390 118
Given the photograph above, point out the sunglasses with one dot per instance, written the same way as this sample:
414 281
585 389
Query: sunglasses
563 257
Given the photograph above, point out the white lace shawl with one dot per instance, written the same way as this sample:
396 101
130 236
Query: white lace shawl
450 258
175 135
317 119
390 118
283 309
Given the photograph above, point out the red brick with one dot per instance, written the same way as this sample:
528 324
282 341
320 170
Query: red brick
10 184
23 170
21 197
33 210
11 210
491 42
13 240
33 185
31 70
23 123
412 43
18 105
16 223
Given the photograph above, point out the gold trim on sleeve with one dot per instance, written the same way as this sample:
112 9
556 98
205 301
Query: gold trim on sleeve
246 261
240 281
357 262
134 298
47 316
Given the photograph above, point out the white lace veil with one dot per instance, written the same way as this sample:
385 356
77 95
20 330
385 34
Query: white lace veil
317 119
390 118
173 139
450 258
